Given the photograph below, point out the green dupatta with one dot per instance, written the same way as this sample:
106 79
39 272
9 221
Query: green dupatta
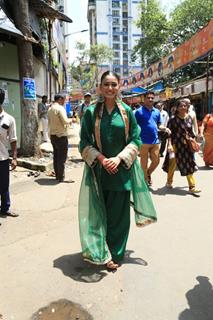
92 212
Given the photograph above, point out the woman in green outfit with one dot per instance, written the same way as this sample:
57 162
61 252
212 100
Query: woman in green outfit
112 175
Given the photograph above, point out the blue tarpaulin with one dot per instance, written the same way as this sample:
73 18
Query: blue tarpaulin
138 90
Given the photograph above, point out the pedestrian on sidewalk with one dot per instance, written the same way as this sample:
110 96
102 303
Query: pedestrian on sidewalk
85 105
192 113
7 134
163 136
179 153
149 119
109 145
43 117
58 123
206 132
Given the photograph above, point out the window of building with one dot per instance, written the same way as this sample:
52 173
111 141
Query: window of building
125 23
116 21
125 55
116 46
125 71
125 47
117 54
125 15
115 4
115 13
116 29
116 38
125 30
116 62
125 39
125 62
117 70
125 6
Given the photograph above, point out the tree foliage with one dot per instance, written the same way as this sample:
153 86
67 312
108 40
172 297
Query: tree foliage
189 17
154 26
162 34
84 68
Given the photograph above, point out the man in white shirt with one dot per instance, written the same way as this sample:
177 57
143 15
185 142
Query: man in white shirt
164 118
7 135
192 113
58 121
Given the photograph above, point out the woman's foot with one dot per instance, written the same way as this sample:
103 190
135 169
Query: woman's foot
112 266
194 190
149 180
169 185
143 224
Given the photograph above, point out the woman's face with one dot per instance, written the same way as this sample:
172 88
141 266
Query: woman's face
109 87
182 109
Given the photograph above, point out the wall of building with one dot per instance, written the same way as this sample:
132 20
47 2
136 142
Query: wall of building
115 27
9 81
102 25
40 74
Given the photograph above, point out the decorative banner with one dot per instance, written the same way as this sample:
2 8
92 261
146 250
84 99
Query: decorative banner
29 90
198 46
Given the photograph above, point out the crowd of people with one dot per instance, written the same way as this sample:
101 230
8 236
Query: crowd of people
113 138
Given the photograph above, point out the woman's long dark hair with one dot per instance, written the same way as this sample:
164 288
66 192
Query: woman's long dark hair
99 103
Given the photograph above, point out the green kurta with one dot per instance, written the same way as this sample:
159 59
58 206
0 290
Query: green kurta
104 224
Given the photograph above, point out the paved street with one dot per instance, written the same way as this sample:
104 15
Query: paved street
167 274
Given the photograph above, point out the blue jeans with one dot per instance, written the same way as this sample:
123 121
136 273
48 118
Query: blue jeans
4 185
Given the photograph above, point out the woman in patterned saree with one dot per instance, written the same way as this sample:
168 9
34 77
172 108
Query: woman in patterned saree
109 146
207 131
179 153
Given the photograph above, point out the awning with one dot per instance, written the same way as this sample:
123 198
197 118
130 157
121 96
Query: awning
138 90
134 92
43 10
156 87
6 26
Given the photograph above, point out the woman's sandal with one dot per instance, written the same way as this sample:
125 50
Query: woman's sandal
112 266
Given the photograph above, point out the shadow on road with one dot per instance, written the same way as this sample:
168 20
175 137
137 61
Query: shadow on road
75 267
132 260
165 191
200 301
205 168
46 181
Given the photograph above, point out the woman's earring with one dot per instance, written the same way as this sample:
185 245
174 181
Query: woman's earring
100 99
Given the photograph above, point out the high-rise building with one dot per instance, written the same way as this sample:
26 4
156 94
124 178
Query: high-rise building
112 22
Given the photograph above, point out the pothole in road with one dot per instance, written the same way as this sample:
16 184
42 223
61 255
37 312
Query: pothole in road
62 310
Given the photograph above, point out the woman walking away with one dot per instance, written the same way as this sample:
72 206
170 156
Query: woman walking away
109 146
207 131
179 153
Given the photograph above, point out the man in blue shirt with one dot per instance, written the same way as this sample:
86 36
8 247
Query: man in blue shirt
149 120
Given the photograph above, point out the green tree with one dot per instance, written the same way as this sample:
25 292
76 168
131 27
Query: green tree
189 17
154 26
84 68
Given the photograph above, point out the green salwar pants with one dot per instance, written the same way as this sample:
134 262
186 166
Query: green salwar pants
118 222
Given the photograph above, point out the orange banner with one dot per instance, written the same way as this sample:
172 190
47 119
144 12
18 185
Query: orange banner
199 45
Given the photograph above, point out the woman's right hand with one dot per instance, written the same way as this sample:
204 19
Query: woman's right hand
110 165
